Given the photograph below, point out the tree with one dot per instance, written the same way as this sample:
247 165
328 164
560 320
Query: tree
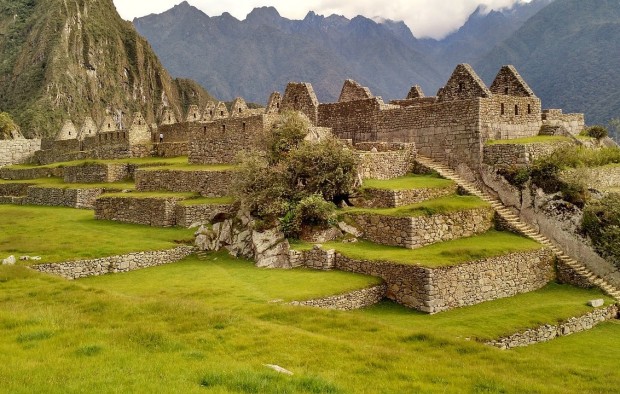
294 182
8 128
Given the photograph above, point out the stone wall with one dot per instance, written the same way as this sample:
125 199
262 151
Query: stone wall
596 177
386 164
171 149
18 151
190 215
382 198
173 133
573 123
507 117
106 146
418 231
155 211
529 205
301 97
14 189
434 290
59 197
508 155
548 332
97 173
114 264
207 183
221 141
315 258
345 302
30 173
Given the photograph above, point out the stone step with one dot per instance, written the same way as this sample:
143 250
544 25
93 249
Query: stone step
525 228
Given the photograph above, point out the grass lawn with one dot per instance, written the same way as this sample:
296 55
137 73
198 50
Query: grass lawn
208 326
140 161
61 234
59 183
539 139
407 182
429 207
163 194
490 244
194 167
208 201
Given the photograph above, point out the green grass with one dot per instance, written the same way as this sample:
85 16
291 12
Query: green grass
408 182
140 161
208 201
184 195
434 206
194 167
60 184
490 244
61 234
539 139
208 326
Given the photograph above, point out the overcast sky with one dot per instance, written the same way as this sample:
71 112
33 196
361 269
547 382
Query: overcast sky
426 18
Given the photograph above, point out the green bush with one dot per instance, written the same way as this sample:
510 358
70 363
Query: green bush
601 222
516 176
597 132
295 182
8 128
287 135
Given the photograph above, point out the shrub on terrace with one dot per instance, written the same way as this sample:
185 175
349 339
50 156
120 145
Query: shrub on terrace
601 222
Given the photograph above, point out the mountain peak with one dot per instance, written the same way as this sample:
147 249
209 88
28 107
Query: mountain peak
263 15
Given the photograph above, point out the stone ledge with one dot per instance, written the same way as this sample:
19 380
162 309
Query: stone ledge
114 264
207 183
349 301
548 332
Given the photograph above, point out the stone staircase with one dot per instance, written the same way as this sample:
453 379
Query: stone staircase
521 226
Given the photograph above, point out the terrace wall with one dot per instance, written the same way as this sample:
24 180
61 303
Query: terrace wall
385 161
434 290
380 198
97 173
207 183
416 232
548 332
157 212
114 264
189 215
349 301
60 197
508 155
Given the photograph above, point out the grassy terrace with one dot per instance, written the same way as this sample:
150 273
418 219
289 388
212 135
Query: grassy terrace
429 207
408 182
539 139
208 201
61 234
163 194
59 183
140 161
490 244
208 326
193 167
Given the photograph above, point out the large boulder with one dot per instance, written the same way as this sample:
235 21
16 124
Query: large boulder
271 249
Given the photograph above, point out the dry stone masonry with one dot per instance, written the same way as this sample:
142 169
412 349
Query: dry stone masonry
207 183
548 332
114 264
345 302
418 231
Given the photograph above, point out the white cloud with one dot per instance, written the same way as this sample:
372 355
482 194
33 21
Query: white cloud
426 18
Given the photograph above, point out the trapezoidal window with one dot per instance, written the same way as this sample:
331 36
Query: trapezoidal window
516 110
243 126
278 105
223 128
194 116
529 109
210 113
460 87
205 129
239 109
502 110
506 91
221 113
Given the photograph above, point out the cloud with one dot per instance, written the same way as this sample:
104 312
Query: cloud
425 18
